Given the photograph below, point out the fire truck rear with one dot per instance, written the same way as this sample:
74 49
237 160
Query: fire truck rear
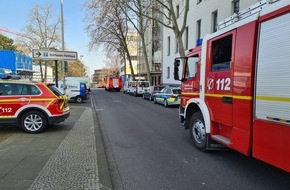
236 85
113 83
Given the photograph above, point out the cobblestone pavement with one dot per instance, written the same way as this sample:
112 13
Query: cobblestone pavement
74 164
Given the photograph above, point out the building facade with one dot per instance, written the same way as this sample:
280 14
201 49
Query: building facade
98 77
153 46
203 18
125 70
37 73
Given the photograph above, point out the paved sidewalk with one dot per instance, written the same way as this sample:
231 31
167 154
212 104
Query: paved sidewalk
68 156
74 163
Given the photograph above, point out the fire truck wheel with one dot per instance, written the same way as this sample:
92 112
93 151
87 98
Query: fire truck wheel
165 103
33 122
78 99
198 131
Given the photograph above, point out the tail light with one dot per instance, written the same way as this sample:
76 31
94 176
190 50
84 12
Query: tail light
60 103
173 96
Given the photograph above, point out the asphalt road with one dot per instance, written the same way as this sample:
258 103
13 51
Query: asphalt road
148 149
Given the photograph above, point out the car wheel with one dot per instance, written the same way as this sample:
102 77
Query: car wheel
78 99
154 100
165 103
198 131
33 122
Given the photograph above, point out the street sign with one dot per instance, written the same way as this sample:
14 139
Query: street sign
54 55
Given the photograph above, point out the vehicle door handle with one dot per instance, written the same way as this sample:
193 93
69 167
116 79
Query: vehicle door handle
227 100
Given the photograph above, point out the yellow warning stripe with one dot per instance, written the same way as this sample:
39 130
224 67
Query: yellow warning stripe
190 93
7 116
50 103
28 99
264 98
273 99
232 96
220 96
35 100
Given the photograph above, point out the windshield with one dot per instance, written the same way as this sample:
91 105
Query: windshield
54 89
144 84
176 91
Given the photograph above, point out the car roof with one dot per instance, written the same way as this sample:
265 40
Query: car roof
16 81
172 87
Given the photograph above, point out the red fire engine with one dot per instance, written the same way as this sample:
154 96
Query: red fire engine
113 83
236 85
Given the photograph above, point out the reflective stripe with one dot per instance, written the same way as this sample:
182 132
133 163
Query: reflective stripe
228 95
272 98
190 93
28 99
7 116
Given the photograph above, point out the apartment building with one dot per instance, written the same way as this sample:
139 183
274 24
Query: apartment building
153 46
125 70
203 18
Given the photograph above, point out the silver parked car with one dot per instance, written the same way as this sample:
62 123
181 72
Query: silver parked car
151 90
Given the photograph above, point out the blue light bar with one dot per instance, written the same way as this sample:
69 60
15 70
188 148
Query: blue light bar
198 42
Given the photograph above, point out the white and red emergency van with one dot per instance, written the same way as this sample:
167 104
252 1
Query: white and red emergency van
236 85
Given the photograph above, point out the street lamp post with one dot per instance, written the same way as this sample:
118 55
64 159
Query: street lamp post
62 36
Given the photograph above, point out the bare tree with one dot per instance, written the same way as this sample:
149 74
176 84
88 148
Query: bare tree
43 32
139 22
168 16
113 64
107 26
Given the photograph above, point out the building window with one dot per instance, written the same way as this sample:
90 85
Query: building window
168 72
236 6
176 45
198 29
199 1
177 11
186 38
168 45
214 21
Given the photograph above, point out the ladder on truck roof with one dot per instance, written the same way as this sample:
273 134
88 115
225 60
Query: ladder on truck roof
257 7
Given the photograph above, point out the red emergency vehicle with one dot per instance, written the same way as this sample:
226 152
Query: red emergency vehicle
235 86
113 83
31 106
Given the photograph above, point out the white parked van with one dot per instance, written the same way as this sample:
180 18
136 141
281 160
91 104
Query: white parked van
137 87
